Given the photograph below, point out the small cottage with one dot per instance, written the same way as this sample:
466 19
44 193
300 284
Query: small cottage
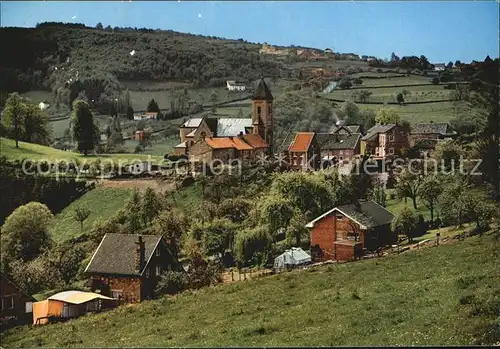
345 232
69 304
127 267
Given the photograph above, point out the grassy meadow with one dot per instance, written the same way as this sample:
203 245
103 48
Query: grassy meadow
38 152
102 202
445 295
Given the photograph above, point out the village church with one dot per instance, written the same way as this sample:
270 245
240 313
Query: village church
207 139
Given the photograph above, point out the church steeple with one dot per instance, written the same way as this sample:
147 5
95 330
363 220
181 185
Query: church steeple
262 112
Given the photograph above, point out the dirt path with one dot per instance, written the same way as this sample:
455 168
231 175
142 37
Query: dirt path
159 186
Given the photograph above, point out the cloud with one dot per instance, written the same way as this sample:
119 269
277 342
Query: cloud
74 17
199 15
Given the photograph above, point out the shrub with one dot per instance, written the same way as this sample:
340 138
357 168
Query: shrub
171 282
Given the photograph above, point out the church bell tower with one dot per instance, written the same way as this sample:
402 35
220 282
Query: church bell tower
262 113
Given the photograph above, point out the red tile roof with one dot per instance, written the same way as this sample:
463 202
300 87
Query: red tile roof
240 145
302 142
227 143
255 141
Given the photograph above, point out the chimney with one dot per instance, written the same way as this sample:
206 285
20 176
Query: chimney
139 254
241 134
357 205
231 138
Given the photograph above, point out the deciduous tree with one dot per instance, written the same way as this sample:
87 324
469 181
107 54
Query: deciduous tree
80 214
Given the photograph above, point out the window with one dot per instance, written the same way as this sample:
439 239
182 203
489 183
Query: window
158 270
353 236
117 294
258 111
391 138
391 150
147 273
29 307
7 302
157 252
269 110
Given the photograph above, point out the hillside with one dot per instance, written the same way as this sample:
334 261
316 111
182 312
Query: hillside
39 152
50 54
446 295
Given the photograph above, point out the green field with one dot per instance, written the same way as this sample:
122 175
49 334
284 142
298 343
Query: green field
388 94
446 295
38 96
420 113
40 153
102 202
391 80
159 148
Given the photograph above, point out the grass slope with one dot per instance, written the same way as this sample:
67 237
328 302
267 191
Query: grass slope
444 295
102 202
39 152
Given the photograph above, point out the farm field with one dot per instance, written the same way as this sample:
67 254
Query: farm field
421 297
420 113
102 202
388 94
39 152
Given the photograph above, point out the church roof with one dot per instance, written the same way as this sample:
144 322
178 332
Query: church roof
255 141
262 92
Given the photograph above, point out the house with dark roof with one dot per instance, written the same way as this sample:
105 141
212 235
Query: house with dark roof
304 152
346 232
382 141
338 147
16 304
127 267
431 131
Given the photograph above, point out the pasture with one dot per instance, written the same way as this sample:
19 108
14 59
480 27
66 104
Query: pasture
420 113
421 297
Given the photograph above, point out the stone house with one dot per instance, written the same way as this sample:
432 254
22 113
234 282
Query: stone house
431 131
382 141
127 267
345 232
220 148
337 147
304 152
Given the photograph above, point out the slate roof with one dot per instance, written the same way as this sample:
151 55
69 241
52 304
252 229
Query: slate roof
194 122
369 215
375 130
301 142
262 92
227 127
116 254
443 129
283 146
334 141
354 128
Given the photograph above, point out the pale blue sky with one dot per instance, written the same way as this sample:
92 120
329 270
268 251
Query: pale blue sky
442 31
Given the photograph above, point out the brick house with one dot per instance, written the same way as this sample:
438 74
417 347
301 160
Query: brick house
304 151
344 232
431 131
338 147
382 141
16 304
127 267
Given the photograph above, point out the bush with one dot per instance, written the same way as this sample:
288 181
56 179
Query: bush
171 282
435 81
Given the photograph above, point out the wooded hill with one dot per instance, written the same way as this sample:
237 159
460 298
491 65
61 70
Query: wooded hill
55 55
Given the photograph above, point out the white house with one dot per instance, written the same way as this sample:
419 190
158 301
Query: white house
439 67
146 116
234 86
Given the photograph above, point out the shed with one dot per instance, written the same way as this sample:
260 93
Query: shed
69 304
291 258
